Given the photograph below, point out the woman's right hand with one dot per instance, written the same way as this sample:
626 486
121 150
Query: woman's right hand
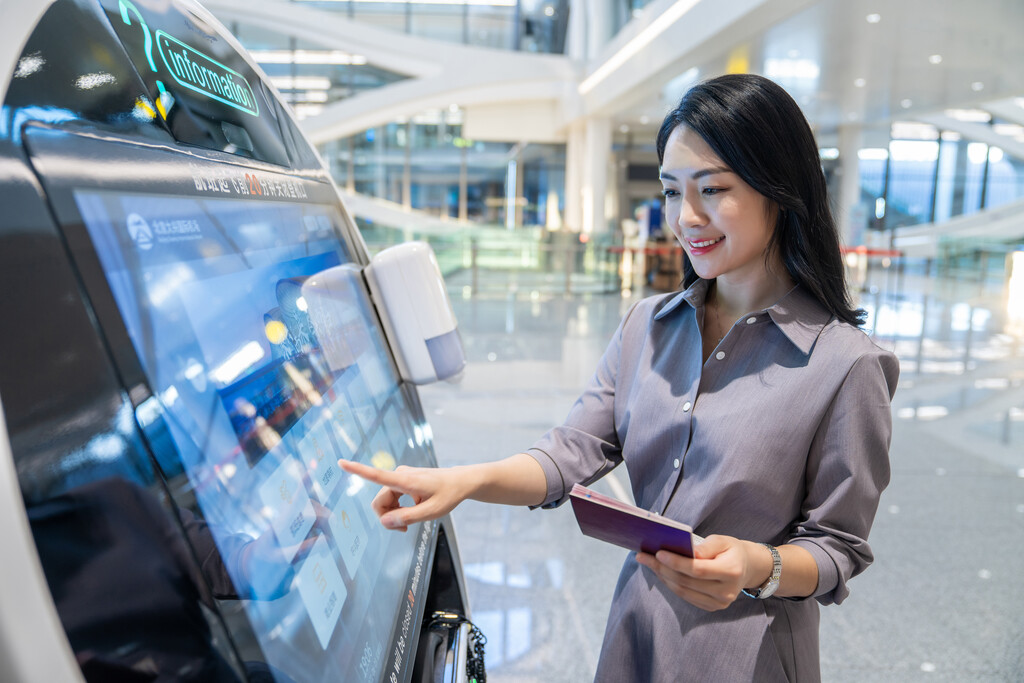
435 492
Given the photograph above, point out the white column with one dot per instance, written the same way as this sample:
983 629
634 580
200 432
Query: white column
587 158
851 214
574 168
595 174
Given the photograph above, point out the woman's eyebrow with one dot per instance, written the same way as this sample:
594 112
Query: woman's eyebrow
698 174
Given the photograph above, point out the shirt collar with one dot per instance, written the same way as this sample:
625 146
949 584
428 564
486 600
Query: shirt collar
798 315
693 295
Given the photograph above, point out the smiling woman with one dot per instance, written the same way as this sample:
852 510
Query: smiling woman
725 227
769 436
748 130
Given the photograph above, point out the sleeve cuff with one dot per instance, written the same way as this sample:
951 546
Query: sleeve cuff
829 590
556 493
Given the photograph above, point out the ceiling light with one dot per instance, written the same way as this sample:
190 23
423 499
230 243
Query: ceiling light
644 120
1008 129
977 86
935 59
873 18
301 82
549 11
906 104
911 130
860 82
307 96
950 136
969 115
828 153
306 57
791 68
914 150
873 154
623 128
305 110
428 117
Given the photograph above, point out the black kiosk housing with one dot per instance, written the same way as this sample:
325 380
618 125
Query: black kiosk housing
176 387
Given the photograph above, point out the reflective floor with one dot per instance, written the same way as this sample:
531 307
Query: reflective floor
944 599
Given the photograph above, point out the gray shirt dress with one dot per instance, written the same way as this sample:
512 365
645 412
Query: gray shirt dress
781 437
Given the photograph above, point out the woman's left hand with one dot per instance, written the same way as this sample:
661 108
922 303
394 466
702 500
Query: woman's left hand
713 578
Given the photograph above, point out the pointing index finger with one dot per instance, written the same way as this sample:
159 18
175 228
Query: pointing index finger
382 477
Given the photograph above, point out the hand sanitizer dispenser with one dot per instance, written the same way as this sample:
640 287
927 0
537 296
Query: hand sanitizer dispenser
413 304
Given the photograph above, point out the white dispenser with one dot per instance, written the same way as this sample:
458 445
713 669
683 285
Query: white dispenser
413 304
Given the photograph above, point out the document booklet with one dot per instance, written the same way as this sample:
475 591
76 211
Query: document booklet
628 526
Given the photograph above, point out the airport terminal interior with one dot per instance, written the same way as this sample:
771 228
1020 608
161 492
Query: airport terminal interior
516 137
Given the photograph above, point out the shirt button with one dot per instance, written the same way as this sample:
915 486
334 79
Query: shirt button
720 355
686 407
751 321
675 463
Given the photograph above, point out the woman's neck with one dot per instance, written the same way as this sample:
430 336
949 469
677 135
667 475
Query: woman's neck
735 298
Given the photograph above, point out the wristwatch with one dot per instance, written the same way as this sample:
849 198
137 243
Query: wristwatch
768 588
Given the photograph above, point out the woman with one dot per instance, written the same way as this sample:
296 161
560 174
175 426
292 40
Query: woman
749 406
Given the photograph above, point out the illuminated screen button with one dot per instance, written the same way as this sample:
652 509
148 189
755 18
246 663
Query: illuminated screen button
322 590
383 460
287 505
318 453
349 533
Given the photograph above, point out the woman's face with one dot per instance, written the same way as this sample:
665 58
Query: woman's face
723 224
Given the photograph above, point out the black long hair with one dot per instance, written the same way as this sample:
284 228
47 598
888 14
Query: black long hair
756 128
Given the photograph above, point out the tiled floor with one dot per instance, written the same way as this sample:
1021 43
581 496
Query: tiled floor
944 600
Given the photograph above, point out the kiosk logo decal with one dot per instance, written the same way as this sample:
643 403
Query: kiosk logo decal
140 232
146 235
195 71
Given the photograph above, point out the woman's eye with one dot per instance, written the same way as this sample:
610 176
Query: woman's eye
667 193
708 191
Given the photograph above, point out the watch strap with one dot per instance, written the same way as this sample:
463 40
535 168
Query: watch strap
768 588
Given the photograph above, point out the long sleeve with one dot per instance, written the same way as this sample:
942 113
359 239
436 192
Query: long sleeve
847 469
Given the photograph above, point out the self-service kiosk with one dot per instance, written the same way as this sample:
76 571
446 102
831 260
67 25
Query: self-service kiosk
188 343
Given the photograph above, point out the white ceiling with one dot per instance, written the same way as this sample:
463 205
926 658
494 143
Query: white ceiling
912 61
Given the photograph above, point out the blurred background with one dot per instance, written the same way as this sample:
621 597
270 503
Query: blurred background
517 138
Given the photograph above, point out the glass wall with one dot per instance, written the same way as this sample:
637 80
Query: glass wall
624 11
528 25
930 176
425 164
309 76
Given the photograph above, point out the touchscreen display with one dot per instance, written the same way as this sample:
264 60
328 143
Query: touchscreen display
266 365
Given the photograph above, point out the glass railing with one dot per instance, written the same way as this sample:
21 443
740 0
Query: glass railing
499 24
490 259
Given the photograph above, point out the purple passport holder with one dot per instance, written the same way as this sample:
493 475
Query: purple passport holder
627 526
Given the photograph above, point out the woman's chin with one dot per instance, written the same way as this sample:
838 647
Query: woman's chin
703 271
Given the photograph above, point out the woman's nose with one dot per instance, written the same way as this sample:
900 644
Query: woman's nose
690 213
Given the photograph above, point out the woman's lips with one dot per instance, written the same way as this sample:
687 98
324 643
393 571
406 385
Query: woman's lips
698 247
